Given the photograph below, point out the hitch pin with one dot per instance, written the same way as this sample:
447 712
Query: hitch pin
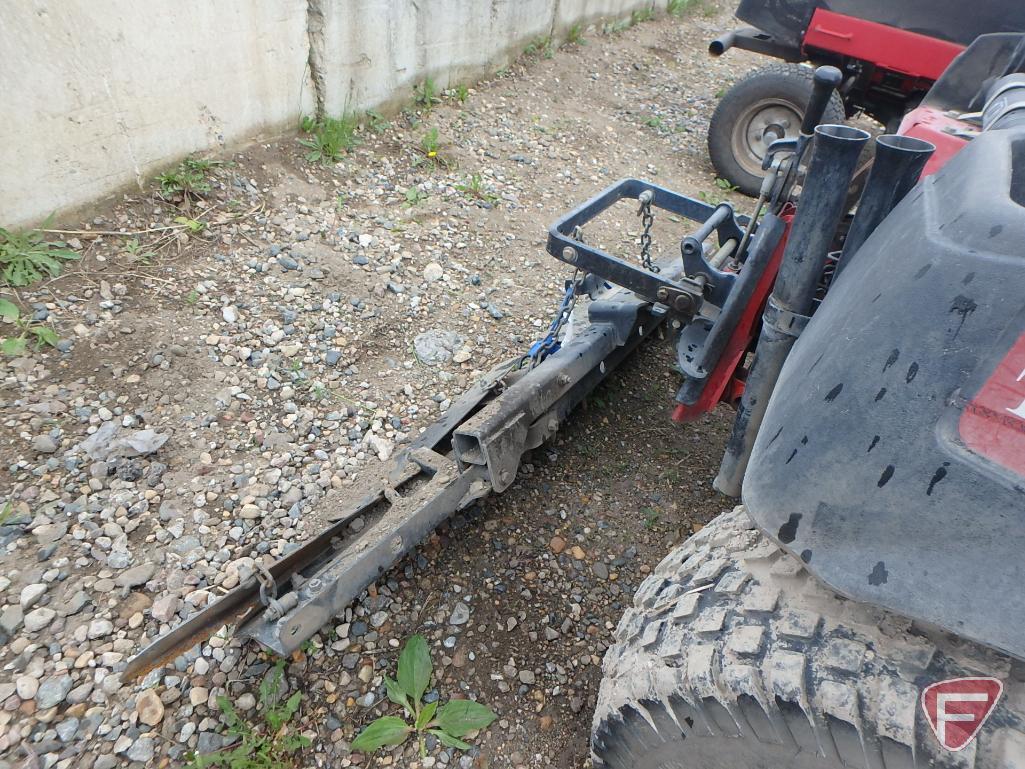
724 253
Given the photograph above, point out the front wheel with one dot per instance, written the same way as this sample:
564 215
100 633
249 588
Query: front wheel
766 105
734 657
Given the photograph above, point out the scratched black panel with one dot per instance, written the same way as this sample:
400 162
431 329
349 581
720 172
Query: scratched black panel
859 459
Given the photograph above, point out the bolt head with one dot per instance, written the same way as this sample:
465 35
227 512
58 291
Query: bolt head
569 254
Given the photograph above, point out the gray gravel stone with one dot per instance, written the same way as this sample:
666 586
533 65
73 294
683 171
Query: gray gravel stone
37 619
142 750
460 614
53 690
44 444
437 346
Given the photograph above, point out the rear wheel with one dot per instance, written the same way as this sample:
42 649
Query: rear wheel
734 657
766 105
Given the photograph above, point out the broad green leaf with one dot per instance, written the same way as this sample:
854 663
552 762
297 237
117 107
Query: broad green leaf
44 335
292 705
449 740
396 695
415 668
13 346
9 311
387 730
426 714
271 685
457 717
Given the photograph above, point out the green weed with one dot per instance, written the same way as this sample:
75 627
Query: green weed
449 723
641 15
651 517
272 744
6 513
430 150
679 7
330 138
715 197
194 226
136 252
415 196
25 330
462 93
474 188
376 121
425 95
541 46
615 27
188 180
25 257
192 297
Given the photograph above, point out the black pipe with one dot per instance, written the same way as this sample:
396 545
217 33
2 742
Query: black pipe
834 155
898 163
756 41
1005 103
722 44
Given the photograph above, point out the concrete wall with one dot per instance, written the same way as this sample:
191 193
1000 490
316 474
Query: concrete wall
100 96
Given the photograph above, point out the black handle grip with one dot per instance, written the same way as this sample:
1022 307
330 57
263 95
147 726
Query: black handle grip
827 79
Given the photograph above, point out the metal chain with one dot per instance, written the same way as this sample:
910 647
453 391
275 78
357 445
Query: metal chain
268 587
647 220
550 344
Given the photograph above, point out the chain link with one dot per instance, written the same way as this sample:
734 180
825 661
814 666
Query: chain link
550 344
268 586
647 220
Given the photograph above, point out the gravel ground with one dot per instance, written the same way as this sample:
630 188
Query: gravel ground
215 395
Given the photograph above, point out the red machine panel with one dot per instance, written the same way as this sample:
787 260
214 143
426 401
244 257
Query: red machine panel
946 132
993 422
887 47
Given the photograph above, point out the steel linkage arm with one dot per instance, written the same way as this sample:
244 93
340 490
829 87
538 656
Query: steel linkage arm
475 448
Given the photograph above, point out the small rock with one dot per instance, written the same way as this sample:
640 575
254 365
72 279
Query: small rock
44 444
30 595
460 614
527 677
26 686
165 608
99 628
52 691
37 619
557 544
433 272
142 750
137 575
437 346
198 695
149 707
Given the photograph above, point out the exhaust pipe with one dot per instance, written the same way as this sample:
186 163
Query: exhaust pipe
898 163
834 155
722 44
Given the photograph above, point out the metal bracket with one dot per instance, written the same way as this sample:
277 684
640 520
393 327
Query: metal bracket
784 321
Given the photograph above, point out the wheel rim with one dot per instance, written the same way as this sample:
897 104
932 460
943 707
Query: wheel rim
760 125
